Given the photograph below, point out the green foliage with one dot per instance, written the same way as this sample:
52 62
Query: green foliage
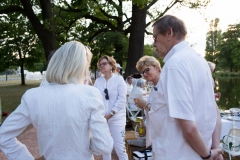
213 41
229 48
150 51
223 49
20 46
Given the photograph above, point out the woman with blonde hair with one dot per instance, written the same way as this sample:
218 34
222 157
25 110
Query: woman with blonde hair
68 115
114 91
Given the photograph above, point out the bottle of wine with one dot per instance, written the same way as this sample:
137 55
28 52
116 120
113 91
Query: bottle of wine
141 129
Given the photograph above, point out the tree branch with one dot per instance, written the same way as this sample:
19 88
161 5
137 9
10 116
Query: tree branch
12 9
163 13
150 4
95 19
97 33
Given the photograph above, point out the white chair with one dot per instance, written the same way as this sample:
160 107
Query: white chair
231 143
132 113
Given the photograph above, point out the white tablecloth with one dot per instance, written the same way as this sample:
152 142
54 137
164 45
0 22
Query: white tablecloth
227 125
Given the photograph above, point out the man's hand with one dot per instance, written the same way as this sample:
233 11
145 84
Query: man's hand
40 158
219 157
217 154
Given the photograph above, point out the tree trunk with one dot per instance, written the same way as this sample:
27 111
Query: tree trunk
46 36
136 40
22 75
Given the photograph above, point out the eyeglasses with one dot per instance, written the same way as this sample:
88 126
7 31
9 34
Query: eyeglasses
155 38
106 92
146 71
102 64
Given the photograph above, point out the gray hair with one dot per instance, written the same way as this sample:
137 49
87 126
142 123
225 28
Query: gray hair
171 22
140 82
69 64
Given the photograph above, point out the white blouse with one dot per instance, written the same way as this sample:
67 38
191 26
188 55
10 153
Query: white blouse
117 90
69 120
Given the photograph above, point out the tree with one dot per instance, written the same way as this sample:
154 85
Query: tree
229 48
18 43
213 42
55 21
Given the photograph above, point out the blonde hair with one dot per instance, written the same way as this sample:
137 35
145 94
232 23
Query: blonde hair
149 61
110 60
69 64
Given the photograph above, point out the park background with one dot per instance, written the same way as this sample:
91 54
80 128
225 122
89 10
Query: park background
31 29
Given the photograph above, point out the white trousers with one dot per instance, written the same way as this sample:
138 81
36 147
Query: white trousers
118 135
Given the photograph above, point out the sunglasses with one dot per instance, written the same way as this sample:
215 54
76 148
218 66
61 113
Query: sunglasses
106 92
103 64
146 71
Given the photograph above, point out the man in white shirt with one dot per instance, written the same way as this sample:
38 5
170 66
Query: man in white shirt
188 100
184 122
129 85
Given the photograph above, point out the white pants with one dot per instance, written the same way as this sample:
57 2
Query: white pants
118 135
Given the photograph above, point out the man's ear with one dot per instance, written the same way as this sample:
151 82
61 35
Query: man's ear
170 33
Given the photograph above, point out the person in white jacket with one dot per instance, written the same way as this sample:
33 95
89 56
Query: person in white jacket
114 90
68 115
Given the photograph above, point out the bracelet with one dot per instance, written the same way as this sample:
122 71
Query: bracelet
145 106
112 113
210 154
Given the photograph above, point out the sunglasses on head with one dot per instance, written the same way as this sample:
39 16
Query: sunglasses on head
106 92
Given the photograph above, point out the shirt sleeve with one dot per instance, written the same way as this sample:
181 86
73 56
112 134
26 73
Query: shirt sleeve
101 140
13 126
122 94
178 94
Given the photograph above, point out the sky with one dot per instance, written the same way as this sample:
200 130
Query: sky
197 22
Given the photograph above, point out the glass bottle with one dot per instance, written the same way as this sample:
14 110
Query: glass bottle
141 129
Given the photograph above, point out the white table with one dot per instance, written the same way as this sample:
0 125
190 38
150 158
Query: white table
227 125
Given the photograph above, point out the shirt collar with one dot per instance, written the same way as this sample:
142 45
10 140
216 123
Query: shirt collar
175 48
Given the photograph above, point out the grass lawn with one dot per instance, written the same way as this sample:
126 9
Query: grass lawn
11 93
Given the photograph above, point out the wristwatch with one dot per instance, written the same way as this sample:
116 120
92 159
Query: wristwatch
112 113
209 156
148 106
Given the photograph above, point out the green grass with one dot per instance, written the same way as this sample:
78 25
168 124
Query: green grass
11 93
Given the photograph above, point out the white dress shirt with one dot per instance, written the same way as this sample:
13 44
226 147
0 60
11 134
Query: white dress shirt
69 120
117 90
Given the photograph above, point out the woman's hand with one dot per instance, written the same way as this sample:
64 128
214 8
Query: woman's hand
141 103
108 116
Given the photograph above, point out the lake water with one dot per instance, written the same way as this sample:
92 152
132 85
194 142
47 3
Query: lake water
230 92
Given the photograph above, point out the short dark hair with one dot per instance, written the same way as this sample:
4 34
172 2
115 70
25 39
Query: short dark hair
168 21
